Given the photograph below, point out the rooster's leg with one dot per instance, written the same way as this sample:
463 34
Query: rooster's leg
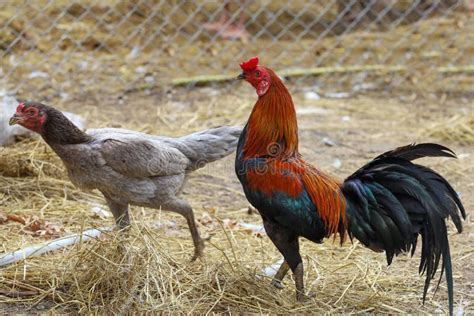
282 271
182 207
288 244
299 283
120 212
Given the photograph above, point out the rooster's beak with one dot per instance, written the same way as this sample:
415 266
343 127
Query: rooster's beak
241 76
14 120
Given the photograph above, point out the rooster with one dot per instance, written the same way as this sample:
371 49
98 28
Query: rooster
129 167
386 204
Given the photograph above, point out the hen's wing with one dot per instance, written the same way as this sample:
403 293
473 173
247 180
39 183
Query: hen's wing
137 154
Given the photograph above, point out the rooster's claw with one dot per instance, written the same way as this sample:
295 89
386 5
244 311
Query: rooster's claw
278 284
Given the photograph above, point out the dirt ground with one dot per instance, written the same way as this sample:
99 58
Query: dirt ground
336 134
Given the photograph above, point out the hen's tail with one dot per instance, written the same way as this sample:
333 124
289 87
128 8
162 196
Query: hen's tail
390 201
208 145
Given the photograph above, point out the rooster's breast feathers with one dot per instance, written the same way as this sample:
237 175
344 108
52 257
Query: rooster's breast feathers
290 193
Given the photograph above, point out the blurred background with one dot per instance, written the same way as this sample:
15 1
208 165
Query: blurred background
58 49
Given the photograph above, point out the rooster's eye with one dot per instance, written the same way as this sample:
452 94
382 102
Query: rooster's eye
257 74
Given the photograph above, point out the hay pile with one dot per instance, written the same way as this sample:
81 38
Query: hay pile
459 128
145 271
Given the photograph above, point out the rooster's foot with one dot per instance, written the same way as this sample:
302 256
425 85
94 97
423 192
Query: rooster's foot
301 297
277 283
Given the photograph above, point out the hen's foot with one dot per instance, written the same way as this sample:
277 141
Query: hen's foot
199 248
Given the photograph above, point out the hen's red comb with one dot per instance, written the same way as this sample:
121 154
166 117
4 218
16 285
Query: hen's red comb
250 64
20 107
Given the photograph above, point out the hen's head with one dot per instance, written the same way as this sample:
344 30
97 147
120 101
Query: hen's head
258 76
30 115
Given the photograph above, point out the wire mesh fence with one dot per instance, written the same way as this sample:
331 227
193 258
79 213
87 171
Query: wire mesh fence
58 48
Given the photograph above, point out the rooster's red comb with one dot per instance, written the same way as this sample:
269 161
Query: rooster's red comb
250 64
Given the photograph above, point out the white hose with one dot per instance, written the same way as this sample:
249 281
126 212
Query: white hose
39 249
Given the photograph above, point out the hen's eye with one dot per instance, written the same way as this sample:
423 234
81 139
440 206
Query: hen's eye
257 73
31 111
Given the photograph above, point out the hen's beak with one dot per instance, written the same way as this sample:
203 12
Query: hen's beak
241 76
14 120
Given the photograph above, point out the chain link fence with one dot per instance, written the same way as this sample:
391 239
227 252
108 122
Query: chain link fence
55 49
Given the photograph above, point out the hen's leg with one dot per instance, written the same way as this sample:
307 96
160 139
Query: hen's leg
282 271
120 212
182 207
288 245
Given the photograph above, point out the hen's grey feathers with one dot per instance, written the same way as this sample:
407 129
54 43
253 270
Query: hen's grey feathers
142 158
142 155
208 145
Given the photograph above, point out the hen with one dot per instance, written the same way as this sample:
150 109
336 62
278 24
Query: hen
129 167
386 204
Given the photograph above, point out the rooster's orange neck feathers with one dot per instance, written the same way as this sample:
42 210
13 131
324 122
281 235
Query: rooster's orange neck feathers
272 127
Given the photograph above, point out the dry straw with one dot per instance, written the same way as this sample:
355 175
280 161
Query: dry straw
459 128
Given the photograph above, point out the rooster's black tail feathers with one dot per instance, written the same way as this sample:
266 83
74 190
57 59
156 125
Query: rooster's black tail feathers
390 201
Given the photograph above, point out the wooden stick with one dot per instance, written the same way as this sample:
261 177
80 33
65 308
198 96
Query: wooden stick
456 69
298 72
314 71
